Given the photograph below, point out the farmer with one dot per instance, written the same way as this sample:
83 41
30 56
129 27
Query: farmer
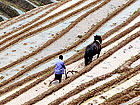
59 69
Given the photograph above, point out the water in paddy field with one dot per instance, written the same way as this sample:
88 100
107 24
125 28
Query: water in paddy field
18 10
32 3
4 18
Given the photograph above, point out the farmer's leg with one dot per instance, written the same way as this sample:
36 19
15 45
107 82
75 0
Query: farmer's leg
60 78
55 78
52 81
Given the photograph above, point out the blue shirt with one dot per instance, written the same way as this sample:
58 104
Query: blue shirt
59 67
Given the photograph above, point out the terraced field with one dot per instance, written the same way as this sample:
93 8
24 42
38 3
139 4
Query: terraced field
13 8
31 43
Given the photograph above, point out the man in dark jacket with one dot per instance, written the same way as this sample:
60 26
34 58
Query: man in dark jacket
59 69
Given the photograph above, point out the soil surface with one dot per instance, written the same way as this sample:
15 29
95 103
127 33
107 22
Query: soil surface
29 52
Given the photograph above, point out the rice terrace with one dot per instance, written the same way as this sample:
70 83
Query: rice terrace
31 42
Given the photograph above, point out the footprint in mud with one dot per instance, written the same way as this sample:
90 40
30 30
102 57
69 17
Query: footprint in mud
1 77
25 44
103 97
95 102
13 50
45 83
130 47
81 65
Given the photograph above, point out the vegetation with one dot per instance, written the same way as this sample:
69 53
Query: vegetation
44 2
35 2
8 10
23 4
136 11
1 19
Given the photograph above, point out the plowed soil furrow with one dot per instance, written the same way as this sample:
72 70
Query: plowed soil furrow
83 86
55 6
12 86
49 42
107 34
28 60
122 34
80 79
28 14
124 96
137 103
86 69
18 26
135 63
11 19
43 15
124 91
117 28
120 70
40 22
15 41
131 101
8 80
93 92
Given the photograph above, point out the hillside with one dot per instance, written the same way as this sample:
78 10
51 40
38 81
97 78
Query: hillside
31 43
13 8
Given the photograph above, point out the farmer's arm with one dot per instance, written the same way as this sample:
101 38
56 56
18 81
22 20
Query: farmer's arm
64 66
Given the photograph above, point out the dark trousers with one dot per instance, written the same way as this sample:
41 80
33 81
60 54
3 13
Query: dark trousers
58 77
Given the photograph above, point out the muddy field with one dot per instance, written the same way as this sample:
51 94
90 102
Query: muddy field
31 43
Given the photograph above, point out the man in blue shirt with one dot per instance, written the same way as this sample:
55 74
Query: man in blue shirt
59 69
